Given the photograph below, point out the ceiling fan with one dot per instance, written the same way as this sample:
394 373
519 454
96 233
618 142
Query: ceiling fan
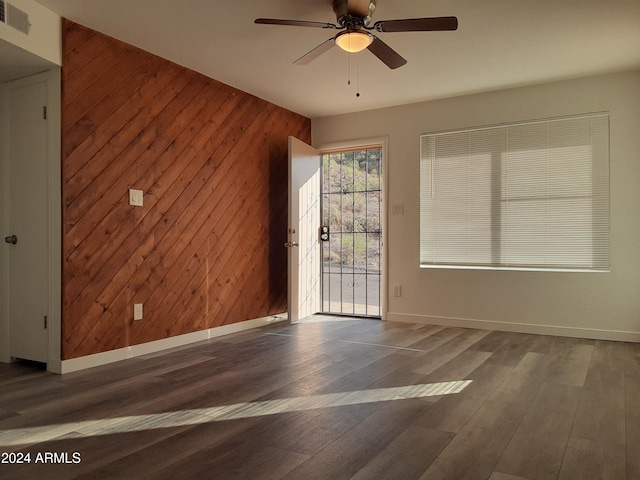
354 19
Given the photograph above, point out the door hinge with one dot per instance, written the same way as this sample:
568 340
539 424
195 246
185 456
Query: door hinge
44 112
45 322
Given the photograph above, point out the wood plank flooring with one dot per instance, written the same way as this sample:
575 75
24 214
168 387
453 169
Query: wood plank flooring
334 399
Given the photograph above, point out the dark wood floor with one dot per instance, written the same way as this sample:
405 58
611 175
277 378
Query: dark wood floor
275 403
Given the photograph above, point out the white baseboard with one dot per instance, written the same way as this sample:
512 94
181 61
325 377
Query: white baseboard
575 332
81 363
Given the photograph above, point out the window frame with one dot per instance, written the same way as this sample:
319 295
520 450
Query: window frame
599 195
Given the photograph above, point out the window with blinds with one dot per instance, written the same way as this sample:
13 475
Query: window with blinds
524 196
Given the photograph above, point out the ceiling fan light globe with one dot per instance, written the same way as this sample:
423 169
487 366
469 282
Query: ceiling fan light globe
353 41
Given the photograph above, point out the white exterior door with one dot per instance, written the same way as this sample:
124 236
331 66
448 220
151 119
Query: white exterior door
304 283
25 227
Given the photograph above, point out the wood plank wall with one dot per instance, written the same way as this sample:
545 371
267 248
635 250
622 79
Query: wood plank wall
206 249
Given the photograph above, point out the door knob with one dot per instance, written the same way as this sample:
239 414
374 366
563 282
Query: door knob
12 239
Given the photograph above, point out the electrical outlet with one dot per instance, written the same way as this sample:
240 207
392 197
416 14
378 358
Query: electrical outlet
136 197
397 291
137 311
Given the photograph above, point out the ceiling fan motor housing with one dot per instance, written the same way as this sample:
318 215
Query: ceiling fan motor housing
350 13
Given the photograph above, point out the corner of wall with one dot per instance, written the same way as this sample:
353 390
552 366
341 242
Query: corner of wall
45 35
55 223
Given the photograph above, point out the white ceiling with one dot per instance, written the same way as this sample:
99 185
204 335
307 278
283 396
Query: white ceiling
499 44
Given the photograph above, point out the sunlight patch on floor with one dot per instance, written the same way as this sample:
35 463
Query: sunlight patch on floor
31 435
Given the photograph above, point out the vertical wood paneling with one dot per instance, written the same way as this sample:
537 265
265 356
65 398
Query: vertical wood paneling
206 248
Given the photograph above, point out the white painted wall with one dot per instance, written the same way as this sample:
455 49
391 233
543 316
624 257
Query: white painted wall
598 305
44 39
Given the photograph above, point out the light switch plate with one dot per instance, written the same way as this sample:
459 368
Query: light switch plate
137 311
136 197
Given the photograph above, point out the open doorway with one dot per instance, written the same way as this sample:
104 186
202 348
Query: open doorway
351 232
30 261
336 234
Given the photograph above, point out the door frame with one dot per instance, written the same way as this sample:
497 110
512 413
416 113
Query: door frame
52 78
368 143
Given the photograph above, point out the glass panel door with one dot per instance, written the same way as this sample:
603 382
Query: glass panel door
351 232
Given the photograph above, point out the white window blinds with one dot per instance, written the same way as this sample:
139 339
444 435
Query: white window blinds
525 196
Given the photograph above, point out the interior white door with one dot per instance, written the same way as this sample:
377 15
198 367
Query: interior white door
304 281
26 223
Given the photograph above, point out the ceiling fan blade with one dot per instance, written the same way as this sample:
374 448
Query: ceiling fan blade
385 53
417 25
316 52
294 23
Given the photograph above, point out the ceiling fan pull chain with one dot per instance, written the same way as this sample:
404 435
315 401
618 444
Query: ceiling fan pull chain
357 79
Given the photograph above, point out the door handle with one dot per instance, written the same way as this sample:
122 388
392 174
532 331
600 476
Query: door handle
12 239
291 244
